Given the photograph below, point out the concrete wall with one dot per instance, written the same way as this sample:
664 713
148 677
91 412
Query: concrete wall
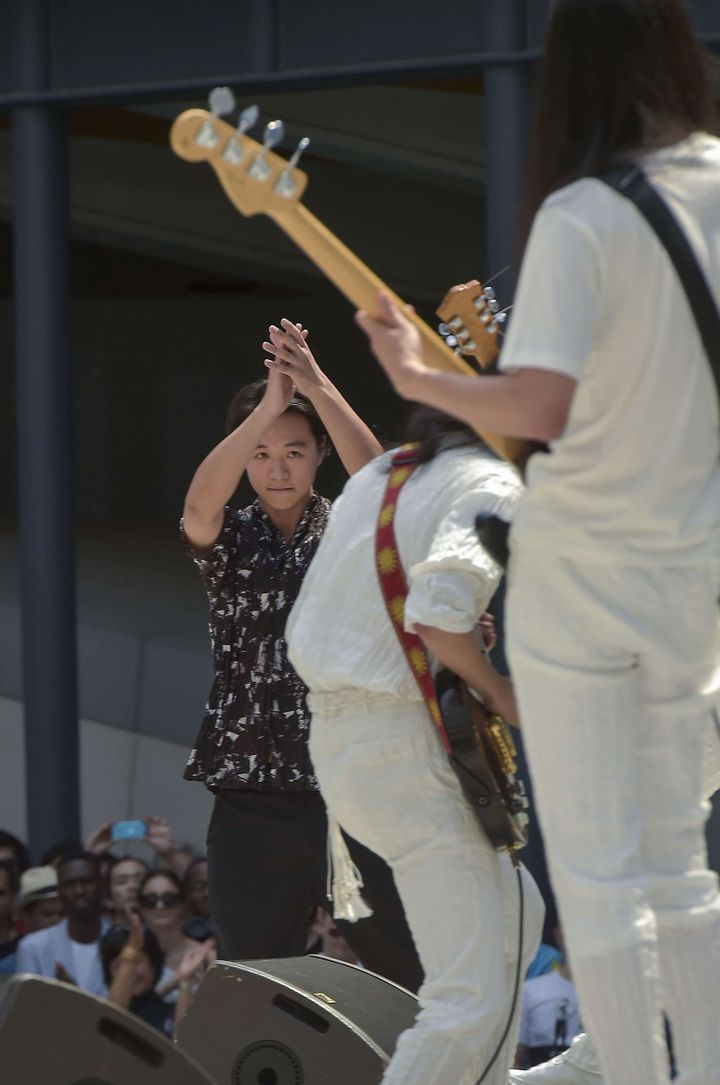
124 775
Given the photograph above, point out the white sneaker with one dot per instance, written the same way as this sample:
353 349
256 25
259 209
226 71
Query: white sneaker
577 1066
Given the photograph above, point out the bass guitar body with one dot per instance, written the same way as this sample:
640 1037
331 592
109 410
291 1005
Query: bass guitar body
483 755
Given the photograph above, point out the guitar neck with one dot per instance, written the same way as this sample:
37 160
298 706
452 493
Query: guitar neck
361 287
357 282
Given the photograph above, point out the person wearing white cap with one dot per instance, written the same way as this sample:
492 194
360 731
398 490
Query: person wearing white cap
40 905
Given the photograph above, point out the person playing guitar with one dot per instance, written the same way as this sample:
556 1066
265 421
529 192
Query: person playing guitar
615 550
381 765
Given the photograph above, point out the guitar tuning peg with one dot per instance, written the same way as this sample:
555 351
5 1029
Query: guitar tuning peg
235 151
299 150
286 185
451 340
489 293
273 134
493 306
500 318
480 303
221 101
248 119
444 329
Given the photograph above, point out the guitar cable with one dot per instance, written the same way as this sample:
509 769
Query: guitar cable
518 968
502 529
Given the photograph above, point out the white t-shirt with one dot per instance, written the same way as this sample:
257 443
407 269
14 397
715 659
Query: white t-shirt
85 962
550 1013
636 475
338 634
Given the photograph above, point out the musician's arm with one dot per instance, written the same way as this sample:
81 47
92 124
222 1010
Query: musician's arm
459 652
353 441
219 474
530 403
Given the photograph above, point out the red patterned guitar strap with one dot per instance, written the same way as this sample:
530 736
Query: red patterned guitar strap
393 584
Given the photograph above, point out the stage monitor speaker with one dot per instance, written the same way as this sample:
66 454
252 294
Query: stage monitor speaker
51 1033
295 1021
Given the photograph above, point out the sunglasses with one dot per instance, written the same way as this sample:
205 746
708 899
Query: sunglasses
160 900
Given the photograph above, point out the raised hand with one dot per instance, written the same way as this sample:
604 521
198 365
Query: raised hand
280 390
292 357
135 939
196 959
159 835
101 839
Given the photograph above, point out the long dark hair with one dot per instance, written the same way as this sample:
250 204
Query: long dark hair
608 68
430 427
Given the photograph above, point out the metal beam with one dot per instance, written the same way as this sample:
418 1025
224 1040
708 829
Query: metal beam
507 105
245 81
45 436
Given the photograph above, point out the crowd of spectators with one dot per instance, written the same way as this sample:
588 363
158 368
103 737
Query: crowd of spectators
136 930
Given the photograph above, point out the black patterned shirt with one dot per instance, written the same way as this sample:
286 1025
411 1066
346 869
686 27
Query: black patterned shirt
255 730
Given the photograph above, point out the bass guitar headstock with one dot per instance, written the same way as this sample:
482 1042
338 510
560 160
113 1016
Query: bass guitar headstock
472 321
255 178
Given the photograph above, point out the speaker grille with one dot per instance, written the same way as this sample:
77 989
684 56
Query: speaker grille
267 1062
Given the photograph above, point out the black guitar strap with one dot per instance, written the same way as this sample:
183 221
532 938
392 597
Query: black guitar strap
631 182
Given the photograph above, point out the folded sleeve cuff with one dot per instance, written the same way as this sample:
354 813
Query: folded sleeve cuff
448 599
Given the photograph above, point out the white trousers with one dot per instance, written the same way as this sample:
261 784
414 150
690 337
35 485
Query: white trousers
608 665
385 778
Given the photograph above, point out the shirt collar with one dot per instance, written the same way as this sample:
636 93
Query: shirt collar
313 517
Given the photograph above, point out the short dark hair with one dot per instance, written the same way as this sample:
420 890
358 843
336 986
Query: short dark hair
248 398
13 873
605 68
429 428
79 855
114 941
22 856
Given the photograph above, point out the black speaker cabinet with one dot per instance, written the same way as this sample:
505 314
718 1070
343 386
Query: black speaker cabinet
53 1034
295 1021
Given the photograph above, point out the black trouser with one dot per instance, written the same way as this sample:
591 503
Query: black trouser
267 867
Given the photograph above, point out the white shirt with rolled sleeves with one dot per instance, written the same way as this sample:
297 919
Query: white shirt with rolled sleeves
636 475
340 637
382 769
